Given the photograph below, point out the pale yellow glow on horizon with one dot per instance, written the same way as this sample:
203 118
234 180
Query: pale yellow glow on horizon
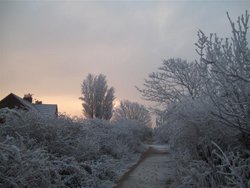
68 104
117 103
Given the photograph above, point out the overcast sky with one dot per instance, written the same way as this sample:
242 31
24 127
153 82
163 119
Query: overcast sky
47 48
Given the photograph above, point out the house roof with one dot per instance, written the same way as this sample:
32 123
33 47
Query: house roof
46 109
26 103
13 101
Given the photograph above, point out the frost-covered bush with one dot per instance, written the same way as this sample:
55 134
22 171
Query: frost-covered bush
190 130
64 152
133 134
221 169
182 123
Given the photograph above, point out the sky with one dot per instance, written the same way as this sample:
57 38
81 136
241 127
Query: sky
47 48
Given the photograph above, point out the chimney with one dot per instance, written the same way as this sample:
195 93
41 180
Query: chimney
38 102
28 97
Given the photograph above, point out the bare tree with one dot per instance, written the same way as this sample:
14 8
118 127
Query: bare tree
97 97
226 67
222 74
133 111
175 79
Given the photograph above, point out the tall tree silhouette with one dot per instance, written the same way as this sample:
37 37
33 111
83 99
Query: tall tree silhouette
97 97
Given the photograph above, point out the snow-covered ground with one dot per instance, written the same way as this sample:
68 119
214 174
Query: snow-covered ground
154 171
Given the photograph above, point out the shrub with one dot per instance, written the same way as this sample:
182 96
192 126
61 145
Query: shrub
64 152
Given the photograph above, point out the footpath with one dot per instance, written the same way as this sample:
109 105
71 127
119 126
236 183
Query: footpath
154 170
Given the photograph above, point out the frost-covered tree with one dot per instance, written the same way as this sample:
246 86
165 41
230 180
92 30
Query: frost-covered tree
133 111
88 96
209 129
225 67
108 103
175 79
97 97
100 90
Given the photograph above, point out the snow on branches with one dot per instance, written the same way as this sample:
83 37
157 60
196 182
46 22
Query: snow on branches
64 152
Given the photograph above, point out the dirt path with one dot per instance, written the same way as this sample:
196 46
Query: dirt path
152 171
